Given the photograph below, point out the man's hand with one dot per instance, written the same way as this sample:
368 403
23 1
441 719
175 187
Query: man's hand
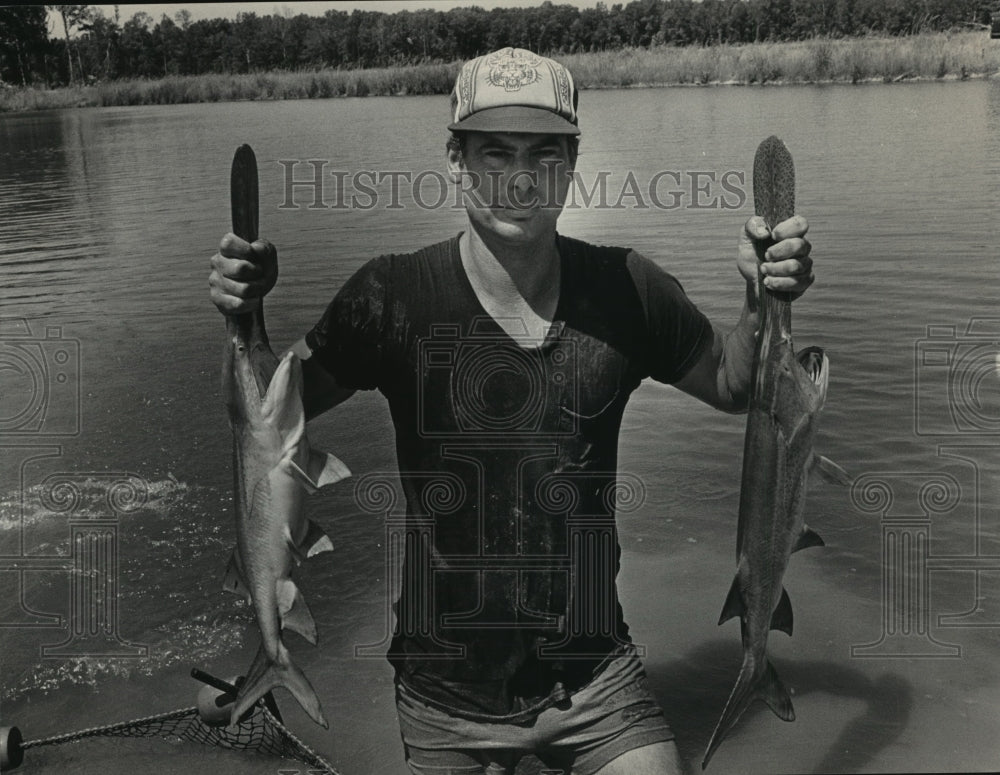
782 255
242 274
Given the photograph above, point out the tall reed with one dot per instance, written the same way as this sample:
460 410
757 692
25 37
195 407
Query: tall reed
853 60
820 60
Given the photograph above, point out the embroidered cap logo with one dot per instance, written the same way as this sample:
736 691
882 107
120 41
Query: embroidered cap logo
513 69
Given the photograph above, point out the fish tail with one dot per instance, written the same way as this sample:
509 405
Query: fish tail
754 682
267 674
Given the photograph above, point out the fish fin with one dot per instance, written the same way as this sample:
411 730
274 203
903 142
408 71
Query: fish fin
734 605
774 693
282 403
830 471
781 619
807 538
298 554
292 469
293 611
265 675
282 407
316 541
325 468
233 581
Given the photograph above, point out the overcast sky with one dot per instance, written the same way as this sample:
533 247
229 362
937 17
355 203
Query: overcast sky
229 10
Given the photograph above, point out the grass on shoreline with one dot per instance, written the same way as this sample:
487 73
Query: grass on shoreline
821 60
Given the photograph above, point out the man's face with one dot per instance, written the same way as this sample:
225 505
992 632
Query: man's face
514 184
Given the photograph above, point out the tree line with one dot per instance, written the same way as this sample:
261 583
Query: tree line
88 46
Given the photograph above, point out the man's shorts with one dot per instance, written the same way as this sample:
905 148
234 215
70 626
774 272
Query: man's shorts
611 715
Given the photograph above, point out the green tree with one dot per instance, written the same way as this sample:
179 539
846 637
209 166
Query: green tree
469 28
24 38
72 16
136 47
100 40
168 41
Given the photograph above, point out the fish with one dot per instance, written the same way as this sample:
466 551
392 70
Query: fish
788 391
274 468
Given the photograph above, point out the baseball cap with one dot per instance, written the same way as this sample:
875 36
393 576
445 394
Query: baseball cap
514 90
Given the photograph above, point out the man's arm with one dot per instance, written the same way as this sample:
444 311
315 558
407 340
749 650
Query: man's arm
320 390
721 376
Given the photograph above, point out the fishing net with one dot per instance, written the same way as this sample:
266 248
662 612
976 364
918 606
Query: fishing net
260 732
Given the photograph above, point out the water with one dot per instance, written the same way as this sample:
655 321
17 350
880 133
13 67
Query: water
108 217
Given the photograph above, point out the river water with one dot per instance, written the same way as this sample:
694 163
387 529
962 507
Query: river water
110 351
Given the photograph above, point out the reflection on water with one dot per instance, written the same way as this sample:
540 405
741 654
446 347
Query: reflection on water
697 683
107 220
45 196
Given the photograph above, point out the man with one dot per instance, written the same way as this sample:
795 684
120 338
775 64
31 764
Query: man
507 355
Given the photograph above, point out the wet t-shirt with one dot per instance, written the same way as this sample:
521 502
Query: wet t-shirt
507 452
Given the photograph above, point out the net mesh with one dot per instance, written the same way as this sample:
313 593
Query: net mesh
260 732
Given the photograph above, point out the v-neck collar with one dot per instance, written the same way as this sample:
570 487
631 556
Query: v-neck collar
558 319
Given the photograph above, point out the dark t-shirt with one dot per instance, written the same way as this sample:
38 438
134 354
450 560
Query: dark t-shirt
507 454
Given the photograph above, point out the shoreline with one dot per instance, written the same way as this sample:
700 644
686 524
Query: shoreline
946 56
879 80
